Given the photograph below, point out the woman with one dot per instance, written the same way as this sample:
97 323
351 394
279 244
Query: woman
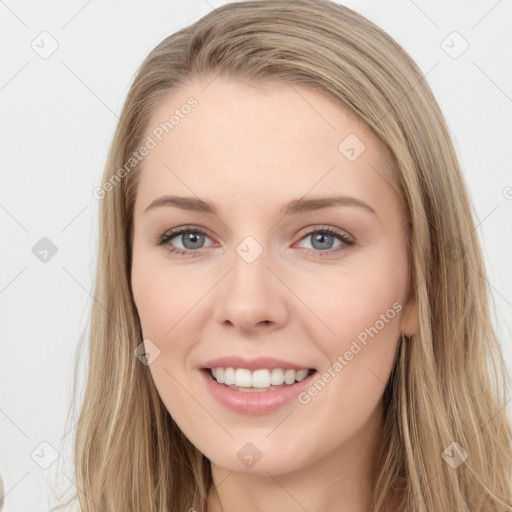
232 367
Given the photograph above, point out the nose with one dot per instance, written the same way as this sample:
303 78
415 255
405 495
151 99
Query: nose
251 297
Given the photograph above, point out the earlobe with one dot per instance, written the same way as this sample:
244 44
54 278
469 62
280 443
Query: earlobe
411 319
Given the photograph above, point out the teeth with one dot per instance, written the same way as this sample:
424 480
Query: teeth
301 375
289 376
243 378
276 377
229 376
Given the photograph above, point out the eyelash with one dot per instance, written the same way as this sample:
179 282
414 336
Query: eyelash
169 235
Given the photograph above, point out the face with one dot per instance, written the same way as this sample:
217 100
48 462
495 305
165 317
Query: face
258 270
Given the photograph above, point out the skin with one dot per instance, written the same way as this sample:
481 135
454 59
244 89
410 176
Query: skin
250 149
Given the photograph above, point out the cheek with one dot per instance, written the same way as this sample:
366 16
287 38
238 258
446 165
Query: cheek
163 300
363 308
357 296
162 297
365 317
154 302
373 300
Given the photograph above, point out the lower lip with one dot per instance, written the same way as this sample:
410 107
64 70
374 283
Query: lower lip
255 403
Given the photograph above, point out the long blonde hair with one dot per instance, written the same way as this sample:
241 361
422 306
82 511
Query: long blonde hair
449 380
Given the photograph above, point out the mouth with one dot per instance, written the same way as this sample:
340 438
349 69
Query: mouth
257 381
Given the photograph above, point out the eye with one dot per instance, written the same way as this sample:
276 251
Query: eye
192 239
322 240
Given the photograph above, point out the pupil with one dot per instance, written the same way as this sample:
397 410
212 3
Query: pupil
319 237
192 238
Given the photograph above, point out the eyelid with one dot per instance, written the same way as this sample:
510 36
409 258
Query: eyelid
174 232
326 228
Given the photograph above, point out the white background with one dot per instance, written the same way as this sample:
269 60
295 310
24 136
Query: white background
57 120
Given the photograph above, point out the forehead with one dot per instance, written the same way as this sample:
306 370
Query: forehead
259 140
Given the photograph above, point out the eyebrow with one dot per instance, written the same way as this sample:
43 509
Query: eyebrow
293 207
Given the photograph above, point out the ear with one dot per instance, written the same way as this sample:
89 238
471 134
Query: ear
411 318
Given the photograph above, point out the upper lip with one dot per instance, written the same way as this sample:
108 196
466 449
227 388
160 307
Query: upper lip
257 363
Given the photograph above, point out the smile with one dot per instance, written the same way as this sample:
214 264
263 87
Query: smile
242 379
253 392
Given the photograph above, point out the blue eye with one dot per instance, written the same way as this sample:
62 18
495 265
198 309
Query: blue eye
193 239
326 236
